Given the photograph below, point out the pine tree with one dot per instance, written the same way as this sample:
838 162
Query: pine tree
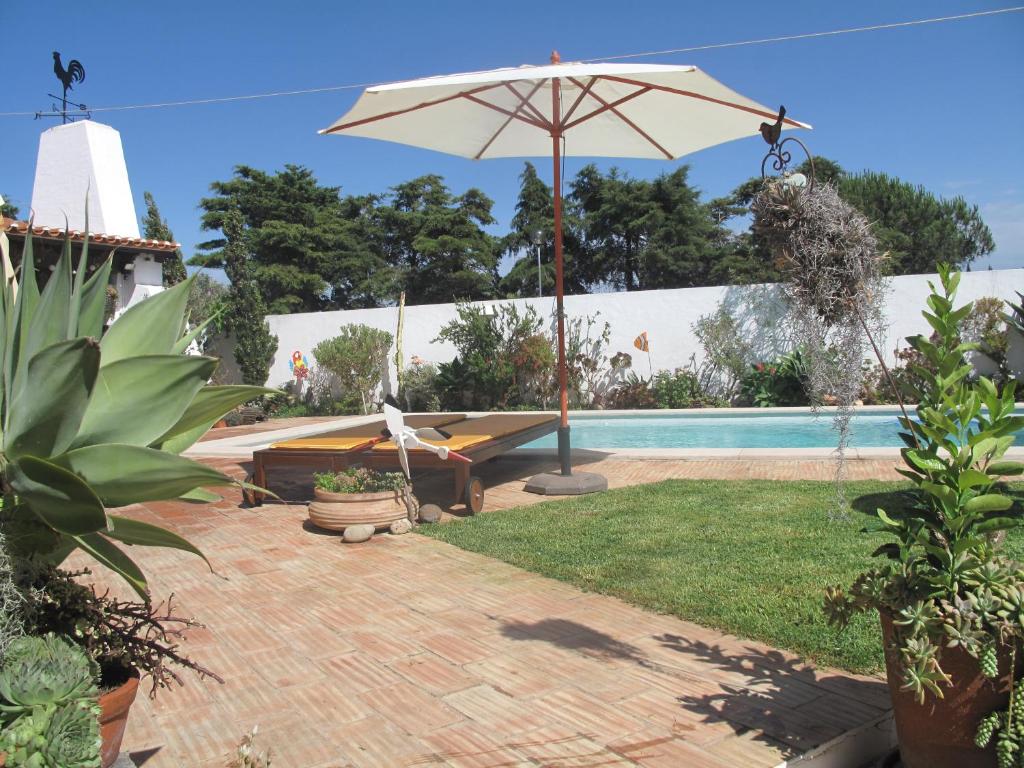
155 228
254 344
311 249
535 215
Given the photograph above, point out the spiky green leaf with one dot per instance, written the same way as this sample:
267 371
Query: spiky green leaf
104 551
129 474
60 498
46 415
136 532
148 328
209 405
137 399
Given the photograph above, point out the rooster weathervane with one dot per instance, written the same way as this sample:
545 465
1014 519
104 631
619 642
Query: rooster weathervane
73 73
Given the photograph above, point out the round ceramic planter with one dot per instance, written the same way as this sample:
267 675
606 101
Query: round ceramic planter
940 732
114 706
337 511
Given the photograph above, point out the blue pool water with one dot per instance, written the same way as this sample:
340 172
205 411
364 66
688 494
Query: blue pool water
870 429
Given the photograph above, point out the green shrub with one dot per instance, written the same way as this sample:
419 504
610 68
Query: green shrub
358 359
359 480
586 360
632 392
491 346
681 388
419 390
945 580
727 353
778 383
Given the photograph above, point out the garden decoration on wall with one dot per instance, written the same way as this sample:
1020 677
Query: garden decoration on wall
299 366
643 344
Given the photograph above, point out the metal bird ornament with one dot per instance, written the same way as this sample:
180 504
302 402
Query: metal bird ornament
405 439
75 73
771 133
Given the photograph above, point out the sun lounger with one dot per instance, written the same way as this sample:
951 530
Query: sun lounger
477 439
335 450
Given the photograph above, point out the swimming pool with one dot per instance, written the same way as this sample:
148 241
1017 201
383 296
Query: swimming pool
872 428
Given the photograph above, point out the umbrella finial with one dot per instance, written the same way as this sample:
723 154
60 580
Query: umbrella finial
555 58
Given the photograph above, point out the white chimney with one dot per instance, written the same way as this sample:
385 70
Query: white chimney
82 158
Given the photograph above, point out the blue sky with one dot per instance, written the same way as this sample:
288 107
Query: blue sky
940 105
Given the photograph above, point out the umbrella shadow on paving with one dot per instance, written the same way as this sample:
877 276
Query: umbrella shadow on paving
574 636
787 702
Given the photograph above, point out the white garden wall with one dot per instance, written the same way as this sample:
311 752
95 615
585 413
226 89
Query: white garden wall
667 316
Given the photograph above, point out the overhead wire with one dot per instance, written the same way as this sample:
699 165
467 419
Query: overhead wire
808 35
620 57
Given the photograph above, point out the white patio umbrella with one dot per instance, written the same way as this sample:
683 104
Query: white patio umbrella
571 109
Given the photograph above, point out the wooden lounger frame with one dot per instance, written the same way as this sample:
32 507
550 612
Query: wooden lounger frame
335 461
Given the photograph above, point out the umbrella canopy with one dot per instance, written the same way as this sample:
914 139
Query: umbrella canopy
607 110
590 110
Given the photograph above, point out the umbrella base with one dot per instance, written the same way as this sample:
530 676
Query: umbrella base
576 484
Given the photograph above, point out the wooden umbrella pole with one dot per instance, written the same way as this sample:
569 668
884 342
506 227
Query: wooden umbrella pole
563 375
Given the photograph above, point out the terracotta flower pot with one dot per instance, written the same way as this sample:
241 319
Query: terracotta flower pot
940 732
337 511
114 706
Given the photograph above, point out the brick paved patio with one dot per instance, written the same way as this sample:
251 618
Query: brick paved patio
409 652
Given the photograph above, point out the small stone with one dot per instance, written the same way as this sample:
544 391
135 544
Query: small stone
430 513
401 526
357 533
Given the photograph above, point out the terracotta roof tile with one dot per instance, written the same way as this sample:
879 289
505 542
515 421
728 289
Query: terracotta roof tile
13 227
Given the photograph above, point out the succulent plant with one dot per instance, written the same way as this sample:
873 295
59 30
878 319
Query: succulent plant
93 420
45 670
49 708
65 736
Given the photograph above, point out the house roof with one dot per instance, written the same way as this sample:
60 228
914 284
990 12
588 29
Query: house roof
20 228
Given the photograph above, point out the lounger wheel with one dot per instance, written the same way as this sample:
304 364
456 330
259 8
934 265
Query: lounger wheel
474 495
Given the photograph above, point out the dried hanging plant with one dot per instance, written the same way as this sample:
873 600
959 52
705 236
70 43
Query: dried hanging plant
834 282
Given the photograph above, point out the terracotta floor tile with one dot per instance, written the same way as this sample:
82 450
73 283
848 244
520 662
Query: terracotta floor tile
410 652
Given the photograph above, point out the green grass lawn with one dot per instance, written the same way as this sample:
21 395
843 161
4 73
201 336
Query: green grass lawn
748 557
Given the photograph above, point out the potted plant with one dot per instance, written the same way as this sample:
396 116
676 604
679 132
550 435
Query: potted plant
951 601
357 496
95 420
49 705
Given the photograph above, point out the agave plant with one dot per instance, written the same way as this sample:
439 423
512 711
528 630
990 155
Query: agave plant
93 421
49 708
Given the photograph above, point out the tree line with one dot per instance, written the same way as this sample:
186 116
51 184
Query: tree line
312 248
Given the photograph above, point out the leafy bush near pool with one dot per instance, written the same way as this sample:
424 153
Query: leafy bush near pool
357 357
727 353
358 480
419 390
503 359
777 383
633 392
682 388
